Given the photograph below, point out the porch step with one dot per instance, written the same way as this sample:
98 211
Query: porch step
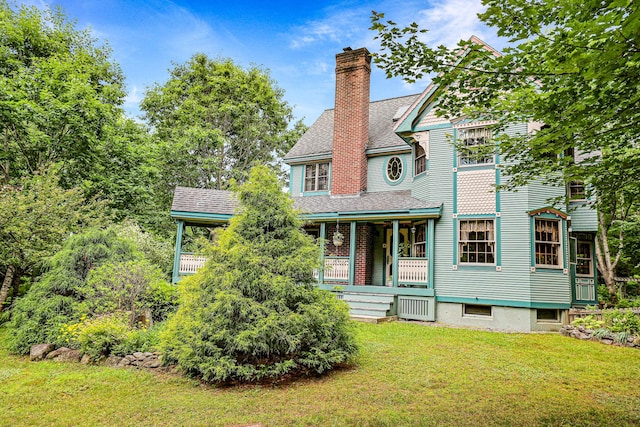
368 297
368 306
371 319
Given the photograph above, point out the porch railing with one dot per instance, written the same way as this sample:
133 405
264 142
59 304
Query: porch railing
413 271
336 269
190 263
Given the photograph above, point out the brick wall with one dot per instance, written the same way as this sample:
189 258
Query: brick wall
364 254
351 122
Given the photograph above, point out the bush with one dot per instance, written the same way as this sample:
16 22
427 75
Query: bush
55 299
109 335
252 312
622 321
588 322
136 287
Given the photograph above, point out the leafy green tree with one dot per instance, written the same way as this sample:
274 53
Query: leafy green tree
252 312
215 120
57 92
571 65
55 299
36 218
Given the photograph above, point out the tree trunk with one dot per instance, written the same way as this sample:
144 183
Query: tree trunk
6 285
16 287
606 265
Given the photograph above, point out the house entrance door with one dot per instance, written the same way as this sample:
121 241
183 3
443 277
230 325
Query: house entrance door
403 250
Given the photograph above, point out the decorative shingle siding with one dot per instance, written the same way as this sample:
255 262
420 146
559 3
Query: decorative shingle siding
431 119
476 191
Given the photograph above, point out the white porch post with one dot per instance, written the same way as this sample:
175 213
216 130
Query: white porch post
323 233
395 253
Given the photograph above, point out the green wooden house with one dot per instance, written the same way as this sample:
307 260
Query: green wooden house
415 228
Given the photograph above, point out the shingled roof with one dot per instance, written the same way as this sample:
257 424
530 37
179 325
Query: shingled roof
318 140
202 200
219 202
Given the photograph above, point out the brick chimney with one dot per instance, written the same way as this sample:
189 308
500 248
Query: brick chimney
351 122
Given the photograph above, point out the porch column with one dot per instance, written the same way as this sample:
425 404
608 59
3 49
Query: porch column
178 251
323 233
430 250
395 253
352 254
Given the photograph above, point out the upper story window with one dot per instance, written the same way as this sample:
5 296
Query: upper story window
548 243
477 241
576 191
394 169
421 160
475 147
316 177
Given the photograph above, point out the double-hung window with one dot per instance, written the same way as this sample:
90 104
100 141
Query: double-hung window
576 191
477 241
421 160
475 147
548 242
316 177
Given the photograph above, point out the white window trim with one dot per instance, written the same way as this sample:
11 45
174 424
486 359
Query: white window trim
489 242
316 166
560 265
401 170
460 140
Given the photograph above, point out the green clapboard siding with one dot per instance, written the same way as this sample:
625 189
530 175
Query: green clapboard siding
583 218
376 174
296 183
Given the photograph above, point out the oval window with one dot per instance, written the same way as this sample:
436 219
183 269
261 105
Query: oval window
394 169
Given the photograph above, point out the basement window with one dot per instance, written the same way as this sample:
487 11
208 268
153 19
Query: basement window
477 310
548 315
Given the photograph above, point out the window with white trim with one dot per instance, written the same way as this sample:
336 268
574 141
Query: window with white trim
584 259
474 147
421 160
316 177
476 241
394 168
548 244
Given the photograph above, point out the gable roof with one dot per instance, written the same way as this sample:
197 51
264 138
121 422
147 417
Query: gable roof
318 140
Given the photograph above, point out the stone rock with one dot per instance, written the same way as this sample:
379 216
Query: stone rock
130 357
138 355
40 351
86 360
124 362
148 354
112 361
607 341
151 363
68 356
57 352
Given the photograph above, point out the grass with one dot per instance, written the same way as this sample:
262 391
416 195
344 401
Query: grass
406 375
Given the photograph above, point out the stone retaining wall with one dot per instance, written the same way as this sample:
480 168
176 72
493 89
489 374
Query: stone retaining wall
138 360
581 333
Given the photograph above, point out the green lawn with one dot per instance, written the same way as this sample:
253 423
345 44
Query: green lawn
406 375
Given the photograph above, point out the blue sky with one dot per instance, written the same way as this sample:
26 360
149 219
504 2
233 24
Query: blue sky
296 40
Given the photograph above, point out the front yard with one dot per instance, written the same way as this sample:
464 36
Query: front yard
407 374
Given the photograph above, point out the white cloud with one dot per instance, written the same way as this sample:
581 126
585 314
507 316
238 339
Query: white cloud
449 21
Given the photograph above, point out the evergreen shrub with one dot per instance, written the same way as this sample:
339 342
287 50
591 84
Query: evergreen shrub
252 312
